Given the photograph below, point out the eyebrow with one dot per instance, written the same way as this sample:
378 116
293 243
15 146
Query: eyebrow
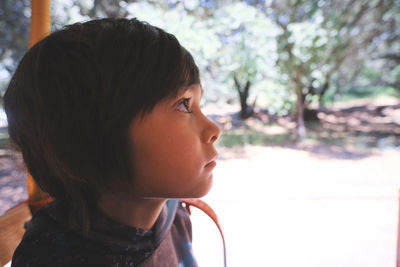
184 89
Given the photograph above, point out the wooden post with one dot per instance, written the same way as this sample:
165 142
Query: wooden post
40 20
40 28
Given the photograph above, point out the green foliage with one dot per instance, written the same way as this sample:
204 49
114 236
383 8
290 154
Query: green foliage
329 45
247 45
362 92
238 137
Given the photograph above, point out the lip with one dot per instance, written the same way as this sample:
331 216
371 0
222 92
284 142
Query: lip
212 163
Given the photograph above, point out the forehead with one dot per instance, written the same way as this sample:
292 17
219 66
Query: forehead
193 88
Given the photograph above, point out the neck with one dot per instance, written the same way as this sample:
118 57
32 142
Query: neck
136 212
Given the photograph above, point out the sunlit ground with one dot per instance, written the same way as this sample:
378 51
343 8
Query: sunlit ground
284 207
317 204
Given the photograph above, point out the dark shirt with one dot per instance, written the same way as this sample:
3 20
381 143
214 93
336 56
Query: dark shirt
49 240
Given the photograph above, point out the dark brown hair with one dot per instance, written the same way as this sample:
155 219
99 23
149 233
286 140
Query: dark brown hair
74 94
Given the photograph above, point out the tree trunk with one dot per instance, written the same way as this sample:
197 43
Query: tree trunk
300 127
245 110
322 93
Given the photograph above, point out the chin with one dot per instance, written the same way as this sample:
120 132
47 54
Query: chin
202 189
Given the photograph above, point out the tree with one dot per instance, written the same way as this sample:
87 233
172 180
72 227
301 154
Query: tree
319 38
360 30
247 52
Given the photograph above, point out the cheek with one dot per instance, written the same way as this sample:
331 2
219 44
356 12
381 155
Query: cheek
167 164
178 156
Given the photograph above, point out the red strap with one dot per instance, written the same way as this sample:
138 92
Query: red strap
210 212
35 205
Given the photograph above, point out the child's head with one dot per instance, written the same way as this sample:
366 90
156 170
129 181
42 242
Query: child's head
104 104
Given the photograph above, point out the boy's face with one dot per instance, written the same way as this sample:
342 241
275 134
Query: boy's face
173 149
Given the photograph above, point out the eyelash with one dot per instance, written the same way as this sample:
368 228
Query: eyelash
185 103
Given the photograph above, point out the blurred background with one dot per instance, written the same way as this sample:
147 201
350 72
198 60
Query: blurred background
307 93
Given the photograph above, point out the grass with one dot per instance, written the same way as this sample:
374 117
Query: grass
240 137
369 92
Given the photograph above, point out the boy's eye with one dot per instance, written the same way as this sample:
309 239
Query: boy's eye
184 105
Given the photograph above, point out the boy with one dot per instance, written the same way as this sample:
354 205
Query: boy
107 117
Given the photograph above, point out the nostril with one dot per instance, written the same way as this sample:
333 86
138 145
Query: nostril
212 131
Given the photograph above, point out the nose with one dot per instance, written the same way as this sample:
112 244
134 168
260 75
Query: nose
211 131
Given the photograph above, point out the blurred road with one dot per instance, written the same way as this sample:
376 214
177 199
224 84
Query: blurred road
286 207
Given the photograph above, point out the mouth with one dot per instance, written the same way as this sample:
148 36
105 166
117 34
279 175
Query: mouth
212 163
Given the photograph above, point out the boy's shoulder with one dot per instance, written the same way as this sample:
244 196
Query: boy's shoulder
47 242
